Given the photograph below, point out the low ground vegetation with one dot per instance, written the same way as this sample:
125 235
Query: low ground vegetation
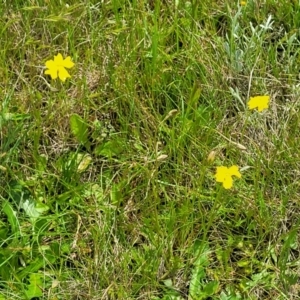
149 150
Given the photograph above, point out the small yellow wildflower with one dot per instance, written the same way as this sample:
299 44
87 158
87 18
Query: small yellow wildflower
259 102
56 67
225 174
243 3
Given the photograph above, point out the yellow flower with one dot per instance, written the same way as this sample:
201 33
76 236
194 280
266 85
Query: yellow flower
225 174
259 102
56 67
243 3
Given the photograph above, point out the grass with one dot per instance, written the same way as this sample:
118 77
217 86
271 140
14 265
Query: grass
107 180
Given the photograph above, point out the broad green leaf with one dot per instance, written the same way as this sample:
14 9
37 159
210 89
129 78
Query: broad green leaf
94 190
34 266
33 210
48 256
41 226
79 128
33 289
6 263
168 283
229 296
3 233
210 288
201 253
109 149
19 192
11 216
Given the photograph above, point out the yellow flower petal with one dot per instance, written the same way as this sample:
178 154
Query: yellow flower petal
252 103
224 175
221 174
259 102
58 59
52 73
50 64
234 170
67 63
56 67
63 74
227 183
